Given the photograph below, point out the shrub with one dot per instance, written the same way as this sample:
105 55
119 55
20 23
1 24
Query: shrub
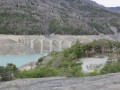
8 73
70 68
76 71
77 49
39 72
111 67
118 51
94 73
40 59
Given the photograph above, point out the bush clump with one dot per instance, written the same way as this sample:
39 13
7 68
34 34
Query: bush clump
39 72
111 67
9 72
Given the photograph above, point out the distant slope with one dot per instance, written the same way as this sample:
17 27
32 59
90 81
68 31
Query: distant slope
56 16
115 9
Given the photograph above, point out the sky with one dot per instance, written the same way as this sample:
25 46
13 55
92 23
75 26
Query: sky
108 3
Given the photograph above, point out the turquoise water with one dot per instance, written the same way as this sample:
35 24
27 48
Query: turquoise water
19 60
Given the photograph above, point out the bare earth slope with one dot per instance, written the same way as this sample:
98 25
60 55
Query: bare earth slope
56 16
105 82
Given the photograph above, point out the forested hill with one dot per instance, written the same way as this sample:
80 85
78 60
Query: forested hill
76 17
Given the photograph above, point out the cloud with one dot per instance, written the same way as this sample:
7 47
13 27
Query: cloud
108 3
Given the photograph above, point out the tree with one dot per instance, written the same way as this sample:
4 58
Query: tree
1 72
8 73
88 47
53 25
12 70
117 44
77 49
103 45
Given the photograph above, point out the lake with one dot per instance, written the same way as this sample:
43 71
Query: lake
19 60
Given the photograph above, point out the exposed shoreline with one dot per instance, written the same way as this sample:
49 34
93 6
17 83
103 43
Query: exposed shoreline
17 44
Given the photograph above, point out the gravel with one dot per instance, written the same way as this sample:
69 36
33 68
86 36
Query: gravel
104 82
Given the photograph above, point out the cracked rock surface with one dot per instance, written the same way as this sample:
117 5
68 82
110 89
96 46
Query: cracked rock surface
104 82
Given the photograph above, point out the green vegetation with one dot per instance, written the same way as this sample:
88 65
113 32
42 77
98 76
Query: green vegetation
53 25
66 63
39 72
9 23
111 66
8 73
94 73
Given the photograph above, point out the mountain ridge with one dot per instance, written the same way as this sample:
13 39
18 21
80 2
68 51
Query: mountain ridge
74 17
117 9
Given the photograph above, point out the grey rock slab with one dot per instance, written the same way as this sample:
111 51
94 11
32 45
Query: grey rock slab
104 82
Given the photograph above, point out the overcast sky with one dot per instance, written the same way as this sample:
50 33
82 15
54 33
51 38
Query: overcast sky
108 3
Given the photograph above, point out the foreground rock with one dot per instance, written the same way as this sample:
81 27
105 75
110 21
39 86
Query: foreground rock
105 82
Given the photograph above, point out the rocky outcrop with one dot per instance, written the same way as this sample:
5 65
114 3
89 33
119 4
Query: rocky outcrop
105 82
28 66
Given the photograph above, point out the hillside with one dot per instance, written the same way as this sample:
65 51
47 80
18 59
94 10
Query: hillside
115 9
56 16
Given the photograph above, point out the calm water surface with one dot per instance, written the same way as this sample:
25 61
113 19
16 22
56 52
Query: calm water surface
19 60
